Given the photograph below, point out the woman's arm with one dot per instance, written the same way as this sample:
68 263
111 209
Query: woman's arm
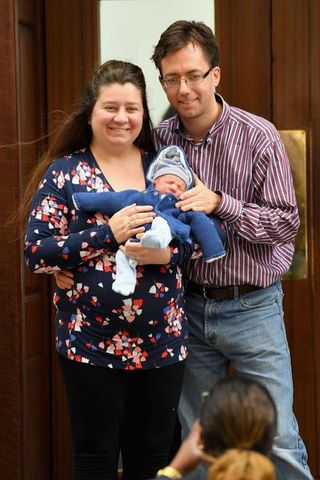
173 254
49 243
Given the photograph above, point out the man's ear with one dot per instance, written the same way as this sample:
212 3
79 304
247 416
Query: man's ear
160 80
216 74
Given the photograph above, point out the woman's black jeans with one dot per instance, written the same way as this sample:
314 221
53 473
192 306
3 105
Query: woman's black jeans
118 410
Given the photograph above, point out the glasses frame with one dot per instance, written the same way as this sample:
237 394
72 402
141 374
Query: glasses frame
202 76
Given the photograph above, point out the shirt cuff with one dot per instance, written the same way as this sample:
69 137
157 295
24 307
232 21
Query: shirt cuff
229 209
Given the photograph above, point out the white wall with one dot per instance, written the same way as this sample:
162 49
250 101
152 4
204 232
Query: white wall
129 30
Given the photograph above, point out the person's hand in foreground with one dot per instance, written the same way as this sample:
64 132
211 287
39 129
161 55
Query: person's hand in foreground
190 452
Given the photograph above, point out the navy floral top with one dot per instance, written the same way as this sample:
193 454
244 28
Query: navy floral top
93 323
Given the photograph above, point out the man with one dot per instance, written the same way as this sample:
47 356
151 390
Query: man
234 305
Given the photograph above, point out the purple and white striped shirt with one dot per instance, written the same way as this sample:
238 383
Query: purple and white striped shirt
243 159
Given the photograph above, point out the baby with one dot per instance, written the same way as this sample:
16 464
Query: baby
168 176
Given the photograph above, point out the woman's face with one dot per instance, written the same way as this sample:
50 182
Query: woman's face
117 116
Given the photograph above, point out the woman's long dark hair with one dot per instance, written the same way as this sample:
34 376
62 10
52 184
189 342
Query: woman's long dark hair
75 133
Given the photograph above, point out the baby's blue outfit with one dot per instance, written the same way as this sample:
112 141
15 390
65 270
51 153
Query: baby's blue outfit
208 232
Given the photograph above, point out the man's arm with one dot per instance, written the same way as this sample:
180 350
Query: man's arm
272 217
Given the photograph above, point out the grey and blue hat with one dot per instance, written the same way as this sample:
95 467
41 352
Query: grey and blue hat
171 160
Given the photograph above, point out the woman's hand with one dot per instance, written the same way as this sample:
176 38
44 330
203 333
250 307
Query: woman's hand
199 198
190 452
129 221
64 279
145 256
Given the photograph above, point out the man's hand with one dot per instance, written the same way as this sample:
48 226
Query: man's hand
199 199
64 279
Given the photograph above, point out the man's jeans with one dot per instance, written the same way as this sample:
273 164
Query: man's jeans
249 332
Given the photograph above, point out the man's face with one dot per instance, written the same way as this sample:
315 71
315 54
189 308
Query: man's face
190 99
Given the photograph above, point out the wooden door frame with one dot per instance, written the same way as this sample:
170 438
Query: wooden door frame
11 394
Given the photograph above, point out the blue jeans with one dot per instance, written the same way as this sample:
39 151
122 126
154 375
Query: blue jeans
249 332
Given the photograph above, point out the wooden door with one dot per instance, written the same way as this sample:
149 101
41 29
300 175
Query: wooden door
46 50
270 53
25 324
36 325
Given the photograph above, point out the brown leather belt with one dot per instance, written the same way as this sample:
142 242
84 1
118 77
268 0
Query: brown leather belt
220 293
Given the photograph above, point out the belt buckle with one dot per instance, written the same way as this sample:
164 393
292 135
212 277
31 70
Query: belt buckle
235 292
204 292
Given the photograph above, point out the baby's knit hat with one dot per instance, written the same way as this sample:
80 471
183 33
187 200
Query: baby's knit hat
170 162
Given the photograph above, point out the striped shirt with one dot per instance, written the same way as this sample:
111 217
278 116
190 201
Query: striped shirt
243 159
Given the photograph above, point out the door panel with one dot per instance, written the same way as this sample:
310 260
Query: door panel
270 66
72 53
36 334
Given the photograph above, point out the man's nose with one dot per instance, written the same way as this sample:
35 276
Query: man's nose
183 84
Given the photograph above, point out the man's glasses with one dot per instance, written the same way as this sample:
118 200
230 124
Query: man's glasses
192 79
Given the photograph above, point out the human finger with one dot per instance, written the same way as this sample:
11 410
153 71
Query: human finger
204 200
197 180
134 208
198 186
145 256
138 219
64 279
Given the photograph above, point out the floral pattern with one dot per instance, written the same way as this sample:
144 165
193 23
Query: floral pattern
93 323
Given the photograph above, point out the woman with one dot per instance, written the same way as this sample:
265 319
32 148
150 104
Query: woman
234 436
122 359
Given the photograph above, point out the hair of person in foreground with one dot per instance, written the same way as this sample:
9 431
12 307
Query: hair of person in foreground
238 422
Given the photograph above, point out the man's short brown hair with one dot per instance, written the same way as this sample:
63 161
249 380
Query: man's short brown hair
182 32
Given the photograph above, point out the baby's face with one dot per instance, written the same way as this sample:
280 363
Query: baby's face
170 184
